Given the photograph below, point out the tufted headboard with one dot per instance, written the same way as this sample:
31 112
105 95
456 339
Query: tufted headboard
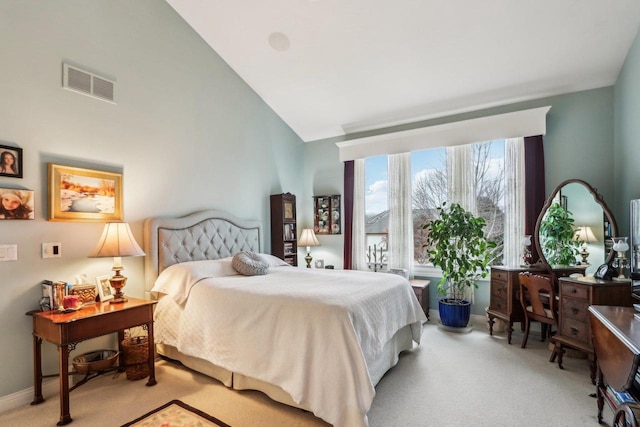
203 235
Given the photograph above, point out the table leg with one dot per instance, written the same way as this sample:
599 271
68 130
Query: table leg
152 364
63 366
37 371
490 321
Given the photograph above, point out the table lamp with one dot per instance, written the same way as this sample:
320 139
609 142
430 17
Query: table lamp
308 239
117 241
585 235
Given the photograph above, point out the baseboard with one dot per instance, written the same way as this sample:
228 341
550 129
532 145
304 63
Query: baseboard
25 397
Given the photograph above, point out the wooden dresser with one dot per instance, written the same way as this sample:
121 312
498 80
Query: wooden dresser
576 295
503 299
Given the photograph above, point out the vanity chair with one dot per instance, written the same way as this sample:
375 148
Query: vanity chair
539 303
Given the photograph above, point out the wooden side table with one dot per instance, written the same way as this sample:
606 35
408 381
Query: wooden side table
66 330
421 289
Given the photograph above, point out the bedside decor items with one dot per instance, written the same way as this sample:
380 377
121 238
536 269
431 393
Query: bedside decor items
308 239
104 288
16 204
10 161
87 195
620 262
117 241
456 244
326 214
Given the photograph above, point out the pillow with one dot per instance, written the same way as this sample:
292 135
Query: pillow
249 264
273 261
178 279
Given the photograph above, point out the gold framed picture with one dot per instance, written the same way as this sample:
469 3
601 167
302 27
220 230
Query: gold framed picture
288 210
104 288
84 195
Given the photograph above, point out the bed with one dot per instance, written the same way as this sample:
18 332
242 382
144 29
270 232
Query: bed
319 340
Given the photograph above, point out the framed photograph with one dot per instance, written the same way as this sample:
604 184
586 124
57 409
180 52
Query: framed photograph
84 195
104 288
288 210
319 263
10 161
16 204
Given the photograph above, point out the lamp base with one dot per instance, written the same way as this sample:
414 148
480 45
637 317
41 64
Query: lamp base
118 282
308 259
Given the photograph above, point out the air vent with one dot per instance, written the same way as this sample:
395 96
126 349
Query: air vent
87 83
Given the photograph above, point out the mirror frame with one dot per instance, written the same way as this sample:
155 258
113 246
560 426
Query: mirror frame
598 199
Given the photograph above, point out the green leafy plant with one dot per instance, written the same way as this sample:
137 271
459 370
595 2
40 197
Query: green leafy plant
557 236
456 243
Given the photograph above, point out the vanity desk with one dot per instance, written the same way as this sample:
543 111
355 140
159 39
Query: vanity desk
576 295
504 302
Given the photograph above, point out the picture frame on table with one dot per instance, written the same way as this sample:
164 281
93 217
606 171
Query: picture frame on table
104 288
84 195
10 161
17 204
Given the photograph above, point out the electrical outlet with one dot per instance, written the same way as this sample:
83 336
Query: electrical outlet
51 250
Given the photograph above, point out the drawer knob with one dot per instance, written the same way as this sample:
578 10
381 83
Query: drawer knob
574 331
573 291
575 310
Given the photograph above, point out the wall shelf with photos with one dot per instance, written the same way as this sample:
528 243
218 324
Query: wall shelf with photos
327 214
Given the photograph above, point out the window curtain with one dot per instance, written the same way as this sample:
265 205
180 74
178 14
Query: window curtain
460 177
514 200
358 261
535 193
400 238
348 215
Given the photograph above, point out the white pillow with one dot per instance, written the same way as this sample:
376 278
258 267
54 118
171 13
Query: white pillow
273 261
249 264
178 279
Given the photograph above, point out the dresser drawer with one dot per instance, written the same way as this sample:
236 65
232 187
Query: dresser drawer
575 329
575 309
499 288
499 275
498 304
574 291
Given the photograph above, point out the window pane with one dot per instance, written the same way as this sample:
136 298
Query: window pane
376 208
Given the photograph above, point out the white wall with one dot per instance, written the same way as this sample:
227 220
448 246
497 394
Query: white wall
187 133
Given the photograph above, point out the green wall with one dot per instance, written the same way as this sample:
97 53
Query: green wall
187 133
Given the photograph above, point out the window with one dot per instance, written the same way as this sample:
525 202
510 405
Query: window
431 186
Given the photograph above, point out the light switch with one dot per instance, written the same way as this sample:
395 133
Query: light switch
8 252
51 250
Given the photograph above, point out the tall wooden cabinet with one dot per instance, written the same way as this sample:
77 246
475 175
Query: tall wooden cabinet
284 233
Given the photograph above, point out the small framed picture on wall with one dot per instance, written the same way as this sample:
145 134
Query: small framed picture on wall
16 204
10 161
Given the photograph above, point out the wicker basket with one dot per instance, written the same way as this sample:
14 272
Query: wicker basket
135 357
95 361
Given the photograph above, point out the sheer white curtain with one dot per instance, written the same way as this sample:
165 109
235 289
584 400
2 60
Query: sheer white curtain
461 185
514 200
358 261
400 248
460 177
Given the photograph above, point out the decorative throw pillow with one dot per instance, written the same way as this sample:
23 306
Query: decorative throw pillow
249 264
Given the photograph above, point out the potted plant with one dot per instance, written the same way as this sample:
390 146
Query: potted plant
456 243
557 236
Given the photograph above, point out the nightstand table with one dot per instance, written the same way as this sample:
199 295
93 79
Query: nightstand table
421 289
66 330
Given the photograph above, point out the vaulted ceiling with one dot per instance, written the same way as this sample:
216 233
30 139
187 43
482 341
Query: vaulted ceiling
331 67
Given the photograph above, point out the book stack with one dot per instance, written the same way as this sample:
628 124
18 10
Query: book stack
619 398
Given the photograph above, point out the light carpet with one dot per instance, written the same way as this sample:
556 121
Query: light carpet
451 379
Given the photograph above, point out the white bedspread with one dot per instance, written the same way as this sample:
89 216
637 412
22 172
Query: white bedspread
311 332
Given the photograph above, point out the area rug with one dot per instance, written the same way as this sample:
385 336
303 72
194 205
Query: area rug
176 414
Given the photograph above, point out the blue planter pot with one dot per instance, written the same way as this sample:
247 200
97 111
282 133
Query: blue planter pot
454 313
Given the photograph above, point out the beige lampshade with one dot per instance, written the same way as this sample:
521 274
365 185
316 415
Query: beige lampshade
308 238
117 241
585 234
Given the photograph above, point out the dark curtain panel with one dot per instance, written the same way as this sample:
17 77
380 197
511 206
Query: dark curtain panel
535 193
348 214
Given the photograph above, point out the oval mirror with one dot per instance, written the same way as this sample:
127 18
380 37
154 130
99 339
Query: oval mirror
576 217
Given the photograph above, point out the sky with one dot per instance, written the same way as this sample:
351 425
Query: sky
376 176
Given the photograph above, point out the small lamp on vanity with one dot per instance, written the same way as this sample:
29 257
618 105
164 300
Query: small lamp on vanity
308 239
117 241
585 235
